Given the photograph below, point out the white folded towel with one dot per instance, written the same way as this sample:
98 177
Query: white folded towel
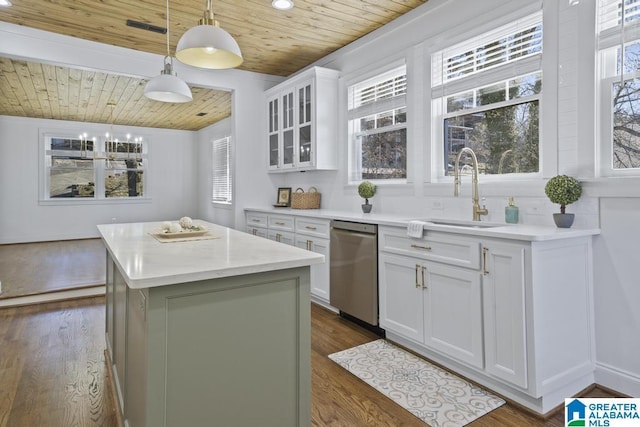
415 228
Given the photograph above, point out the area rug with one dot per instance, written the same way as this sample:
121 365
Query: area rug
432 394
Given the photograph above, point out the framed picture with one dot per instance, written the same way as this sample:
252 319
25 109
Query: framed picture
284 196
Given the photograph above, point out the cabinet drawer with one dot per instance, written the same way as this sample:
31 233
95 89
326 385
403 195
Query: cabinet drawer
312 227
257 231
440 247
282 237
284 223
256 219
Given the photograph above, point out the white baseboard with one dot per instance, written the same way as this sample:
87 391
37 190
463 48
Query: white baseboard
53 296
618 380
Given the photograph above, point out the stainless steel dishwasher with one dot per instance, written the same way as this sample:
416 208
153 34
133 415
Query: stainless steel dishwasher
354 270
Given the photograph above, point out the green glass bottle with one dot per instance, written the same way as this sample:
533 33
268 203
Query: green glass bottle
511 212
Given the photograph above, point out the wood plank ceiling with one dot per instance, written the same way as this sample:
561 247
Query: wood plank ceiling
272 42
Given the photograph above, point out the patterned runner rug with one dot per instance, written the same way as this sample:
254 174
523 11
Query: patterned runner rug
432 394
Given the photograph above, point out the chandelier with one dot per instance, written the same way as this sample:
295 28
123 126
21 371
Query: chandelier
114 148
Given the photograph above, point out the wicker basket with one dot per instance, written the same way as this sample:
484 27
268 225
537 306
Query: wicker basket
308 200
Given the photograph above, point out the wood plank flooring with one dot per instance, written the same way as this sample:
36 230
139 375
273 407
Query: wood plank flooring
52 373
35 268
52 368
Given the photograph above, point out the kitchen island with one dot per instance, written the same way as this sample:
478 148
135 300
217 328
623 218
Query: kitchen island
209 331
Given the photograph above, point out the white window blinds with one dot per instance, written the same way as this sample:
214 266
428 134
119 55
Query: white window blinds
505 52
618 25
222 176
384 92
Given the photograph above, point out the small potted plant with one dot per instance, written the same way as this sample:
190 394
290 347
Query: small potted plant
366 190
564 190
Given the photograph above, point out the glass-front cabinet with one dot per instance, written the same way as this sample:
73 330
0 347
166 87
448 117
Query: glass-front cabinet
274 131
302 122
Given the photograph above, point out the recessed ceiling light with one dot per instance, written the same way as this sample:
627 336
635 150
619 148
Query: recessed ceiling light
282 4
7 3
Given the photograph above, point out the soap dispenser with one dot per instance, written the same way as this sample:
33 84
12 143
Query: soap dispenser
511 212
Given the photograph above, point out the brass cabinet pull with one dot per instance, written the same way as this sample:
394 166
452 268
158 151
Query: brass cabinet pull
309 243
308 227
484 260
417 283
278 236
424 285
255 232
256 220
426 248
280 223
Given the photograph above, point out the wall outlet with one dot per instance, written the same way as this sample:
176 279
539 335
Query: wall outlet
437 204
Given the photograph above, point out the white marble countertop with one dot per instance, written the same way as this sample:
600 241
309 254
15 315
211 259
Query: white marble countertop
498 230
146 262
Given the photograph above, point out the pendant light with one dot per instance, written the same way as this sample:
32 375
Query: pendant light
167 87
208 46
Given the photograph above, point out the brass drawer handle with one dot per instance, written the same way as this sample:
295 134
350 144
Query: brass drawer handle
308 227
426 248
280 223
417 283
256 220
484 261
424 285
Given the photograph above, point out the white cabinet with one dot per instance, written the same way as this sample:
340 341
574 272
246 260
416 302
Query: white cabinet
453 311
504 308
438 304
302 122
304 232
516 316
313 234
400 296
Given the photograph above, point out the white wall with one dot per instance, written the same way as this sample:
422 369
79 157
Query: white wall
24 218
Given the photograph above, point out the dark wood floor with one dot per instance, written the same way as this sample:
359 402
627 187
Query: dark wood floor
36 268
52 373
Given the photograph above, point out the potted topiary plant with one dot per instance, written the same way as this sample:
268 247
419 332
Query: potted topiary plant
366 190
564 190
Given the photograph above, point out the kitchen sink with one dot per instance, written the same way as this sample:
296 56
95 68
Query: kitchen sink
462 223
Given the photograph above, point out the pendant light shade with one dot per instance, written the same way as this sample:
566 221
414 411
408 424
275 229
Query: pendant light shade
208 46
167 87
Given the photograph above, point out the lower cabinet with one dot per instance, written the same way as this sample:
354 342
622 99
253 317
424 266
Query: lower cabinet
504 308
514 315
232 351
304 232
433 304
319 272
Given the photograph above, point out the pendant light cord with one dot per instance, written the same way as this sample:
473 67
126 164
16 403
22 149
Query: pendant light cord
168 51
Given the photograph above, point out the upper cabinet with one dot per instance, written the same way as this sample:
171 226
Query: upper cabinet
303 121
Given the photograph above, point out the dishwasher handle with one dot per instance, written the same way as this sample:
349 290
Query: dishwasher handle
357 227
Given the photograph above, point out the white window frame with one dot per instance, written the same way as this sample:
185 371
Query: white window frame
440 90
222 171
354 166
99 167
614 35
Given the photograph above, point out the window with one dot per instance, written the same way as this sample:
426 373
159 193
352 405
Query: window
486 95
619 52
88 169
377 115
222 177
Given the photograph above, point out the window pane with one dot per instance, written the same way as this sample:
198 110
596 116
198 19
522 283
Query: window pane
384 155
71 178
626 124
124 183
505 140
460 101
